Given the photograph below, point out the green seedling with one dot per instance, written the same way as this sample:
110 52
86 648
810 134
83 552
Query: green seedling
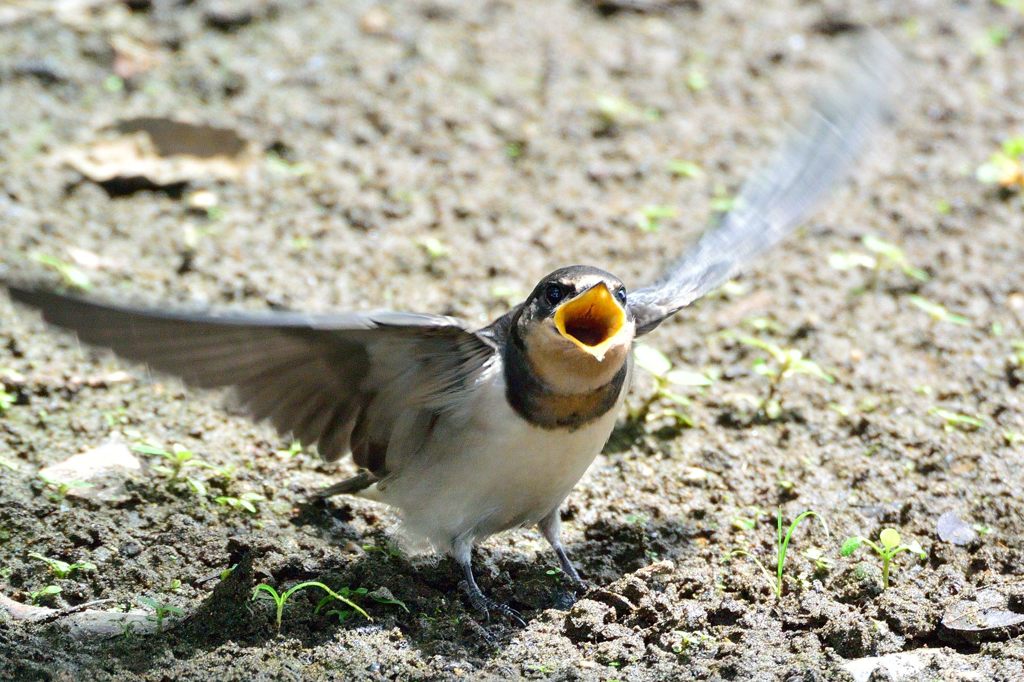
682 168
954 421
722 201
780 364
883 256
936 311
1005 168
6 399
245 501
649 217
63 569
1018 353
782 540
816 555
887 547
160 611
279 164
58 490
73 277
281 598
178 461
387 550
294 449
696 79
44 594
6 464
666 379
614 112
381 597
690 640
776 582
434 248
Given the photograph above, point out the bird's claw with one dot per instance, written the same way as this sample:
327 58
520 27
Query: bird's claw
485 605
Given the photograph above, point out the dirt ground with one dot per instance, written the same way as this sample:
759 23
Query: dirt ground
441 157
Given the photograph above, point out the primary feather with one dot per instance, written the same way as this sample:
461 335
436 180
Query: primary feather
808 164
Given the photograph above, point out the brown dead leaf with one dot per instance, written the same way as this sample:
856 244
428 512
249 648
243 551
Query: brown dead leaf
155 152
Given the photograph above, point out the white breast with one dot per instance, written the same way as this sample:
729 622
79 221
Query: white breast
489 470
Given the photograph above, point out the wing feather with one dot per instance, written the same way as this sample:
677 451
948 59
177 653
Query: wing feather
313 376
804 169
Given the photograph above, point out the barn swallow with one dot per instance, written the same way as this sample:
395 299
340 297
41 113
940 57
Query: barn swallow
466 432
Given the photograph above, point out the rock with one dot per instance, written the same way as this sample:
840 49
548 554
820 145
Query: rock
907 665
989 615
155 152
104 469
951 528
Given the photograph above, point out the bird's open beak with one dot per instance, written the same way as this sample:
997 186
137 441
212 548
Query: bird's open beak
592 320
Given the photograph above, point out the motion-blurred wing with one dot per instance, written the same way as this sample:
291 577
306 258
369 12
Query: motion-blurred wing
340 381
771 204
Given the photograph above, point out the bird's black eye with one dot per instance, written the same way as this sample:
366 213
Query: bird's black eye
554 293
620 294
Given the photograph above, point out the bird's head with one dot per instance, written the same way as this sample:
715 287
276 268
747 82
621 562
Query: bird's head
576 328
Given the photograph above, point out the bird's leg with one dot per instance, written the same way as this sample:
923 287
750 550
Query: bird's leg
551 527
481 602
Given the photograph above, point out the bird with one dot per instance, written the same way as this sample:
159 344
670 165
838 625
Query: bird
471 432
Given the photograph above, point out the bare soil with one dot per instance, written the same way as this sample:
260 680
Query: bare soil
441 156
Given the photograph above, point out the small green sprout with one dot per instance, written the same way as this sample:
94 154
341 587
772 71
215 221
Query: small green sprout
722 201
614 112
696 79
434 248
7 464
780 364
1005 167
665 377
883 256
281 598
514 149
113 84
782 540
953 421
279 164
887 547
691 640
178 461
294 449
72 275
650 216
58 490
160 611
822 564
44 594
682 168
245 501
63 569
6 399
381 596
937 311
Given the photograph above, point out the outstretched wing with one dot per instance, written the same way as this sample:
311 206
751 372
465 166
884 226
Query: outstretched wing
807 165
349 381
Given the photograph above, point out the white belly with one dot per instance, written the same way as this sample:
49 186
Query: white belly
491 470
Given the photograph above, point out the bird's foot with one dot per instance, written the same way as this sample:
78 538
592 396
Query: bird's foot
575 588
485 605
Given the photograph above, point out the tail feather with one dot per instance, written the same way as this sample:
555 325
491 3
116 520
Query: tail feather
350 486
